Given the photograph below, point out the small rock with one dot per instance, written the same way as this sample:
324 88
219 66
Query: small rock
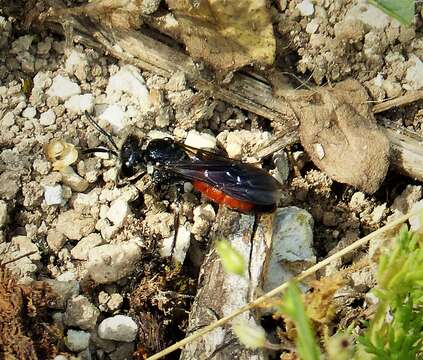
48 118
115 302
118 328
67 275
414 76
292 245
78 104
377 213
81 313
357 200
73 225
407 198
55 240
8 120
115 116
416 221
63 88
80 251
204 215
43 47
41 81
64 290
77 64
109 263
177 82
280 159
41 166
200 140
22 44
29 112
73 180
25 246
3 213
318 149
312 26
53 195
119 210
130 81
77 340
180 249
392 88
148 7
306 8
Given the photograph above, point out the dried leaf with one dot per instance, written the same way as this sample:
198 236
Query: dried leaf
226 34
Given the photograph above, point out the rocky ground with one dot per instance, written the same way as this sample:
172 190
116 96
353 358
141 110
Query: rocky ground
105 249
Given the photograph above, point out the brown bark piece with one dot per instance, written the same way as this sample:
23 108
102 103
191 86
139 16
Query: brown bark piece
220 293
341 135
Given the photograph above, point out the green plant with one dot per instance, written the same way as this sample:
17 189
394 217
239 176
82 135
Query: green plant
293 306
402 10
395 331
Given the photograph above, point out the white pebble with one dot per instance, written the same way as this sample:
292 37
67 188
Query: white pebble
306 8
118 328
3 213
53 195
63 88
115 116
48 118
78 104
414 74
8 120
119 210
29 112
77 340
200 140
41 81
130 81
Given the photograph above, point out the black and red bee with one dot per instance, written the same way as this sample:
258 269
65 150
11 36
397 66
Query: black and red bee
238 185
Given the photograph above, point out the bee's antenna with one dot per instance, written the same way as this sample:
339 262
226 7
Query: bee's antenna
99 149
102 131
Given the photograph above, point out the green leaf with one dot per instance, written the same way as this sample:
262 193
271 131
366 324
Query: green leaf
293 307
232 260
402 10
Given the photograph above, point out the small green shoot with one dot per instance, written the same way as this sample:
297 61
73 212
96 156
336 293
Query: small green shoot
293 307
395 331
232 260
402 10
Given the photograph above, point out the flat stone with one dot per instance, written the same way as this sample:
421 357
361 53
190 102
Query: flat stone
111 262
63 88
53 195
74 225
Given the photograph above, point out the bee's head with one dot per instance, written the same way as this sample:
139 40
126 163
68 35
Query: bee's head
131 157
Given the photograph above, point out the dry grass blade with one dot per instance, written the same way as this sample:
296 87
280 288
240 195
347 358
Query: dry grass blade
399 101
283 286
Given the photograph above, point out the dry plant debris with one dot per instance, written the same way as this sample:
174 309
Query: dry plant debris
226 35
26 331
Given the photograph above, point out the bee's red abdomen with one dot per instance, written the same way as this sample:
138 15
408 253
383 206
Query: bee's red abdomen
221 198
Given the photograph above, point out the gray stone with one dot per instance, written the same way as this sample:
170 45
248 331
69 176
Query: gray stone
81 313
109 263
81 250
74 225
64 290
118 328
55 240
3 213
77 340
292 246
